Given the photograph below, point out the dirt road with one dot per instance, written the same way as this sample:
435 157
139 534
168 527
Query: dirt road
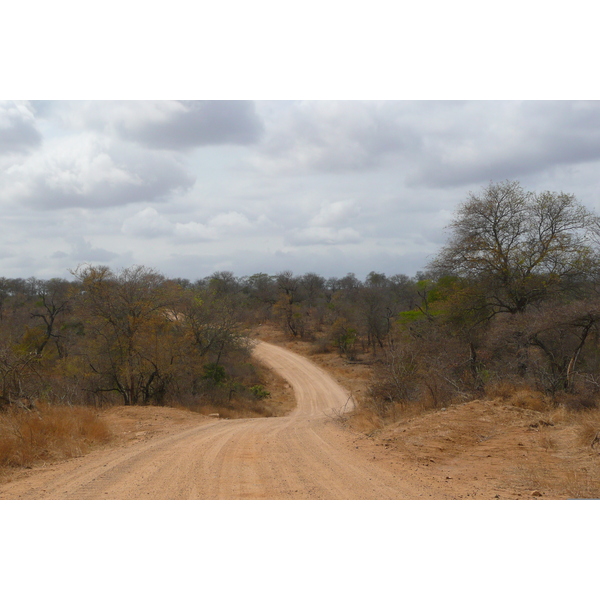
305 455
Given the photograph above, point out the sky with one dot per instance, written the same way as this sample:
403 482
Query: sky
336 144
197 186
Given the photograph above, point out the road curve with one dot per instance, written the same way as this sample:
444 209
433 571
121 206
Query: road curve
304 455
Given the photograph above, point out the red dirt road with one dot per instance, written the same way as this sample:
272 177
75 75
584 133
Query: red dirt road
305 455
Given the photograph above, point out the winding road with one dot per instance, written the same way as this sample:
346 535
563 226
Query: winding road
304 455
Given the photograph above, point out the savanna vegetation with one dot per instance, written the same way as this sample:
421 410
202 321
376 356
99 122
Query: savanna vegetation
495 347
133 337
511 303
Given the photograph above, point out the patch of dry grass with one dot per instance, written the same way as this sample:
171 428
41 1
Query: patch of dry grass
583 483
547 441
519 395
365 421
48 433
588 425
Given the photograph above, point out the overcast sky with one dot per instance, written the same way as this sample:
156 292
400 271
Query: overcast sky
190 187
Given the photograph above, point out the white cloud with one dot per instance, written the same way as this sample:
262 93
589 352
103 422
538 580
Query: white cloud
310 236
222 226
83 251
193 231
331 186
336 213
174 125
438 143
330 137
91 170
82 165
230 221
18 130
147 223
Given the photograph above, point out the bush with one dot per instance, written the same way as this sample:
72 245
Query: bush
215 373
260 392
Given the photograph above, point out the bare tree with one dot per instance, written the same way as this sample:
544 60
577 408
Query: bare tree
54 299
519 247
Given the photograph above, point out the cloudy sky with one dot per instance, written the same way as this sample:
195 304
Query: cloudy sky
193 187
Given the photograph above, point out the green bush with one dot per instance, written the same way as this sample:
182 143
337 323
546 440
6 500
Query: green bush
215 373
260 392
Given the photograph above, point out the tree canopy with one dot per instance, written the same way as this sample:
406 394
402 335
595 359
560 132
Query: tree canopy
519 246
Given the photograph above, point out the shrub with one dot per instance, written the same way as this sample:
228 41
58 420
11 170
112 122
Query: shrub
260 392
215 372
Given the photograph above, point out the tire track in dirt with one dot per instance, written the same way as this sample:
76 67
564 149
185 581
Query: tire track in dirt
301 456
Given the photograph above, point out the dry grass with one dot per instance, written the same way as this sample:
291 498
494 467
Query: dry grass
519 395
365 421
583 484
48 433
589 428
561 481
547 441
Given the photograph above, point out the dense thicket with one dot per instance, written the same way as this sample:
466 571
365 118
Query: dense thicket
131 337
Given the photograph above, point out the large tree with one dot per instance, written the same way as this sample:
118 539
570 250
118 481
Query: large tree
132 334
517 247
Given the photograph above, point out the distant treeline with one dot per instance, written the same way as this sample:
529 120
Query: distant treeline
511 299
137 337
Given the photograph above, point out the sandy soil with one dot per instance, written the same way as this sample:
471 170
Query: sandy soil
304 455
486 449
512 447
481 450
